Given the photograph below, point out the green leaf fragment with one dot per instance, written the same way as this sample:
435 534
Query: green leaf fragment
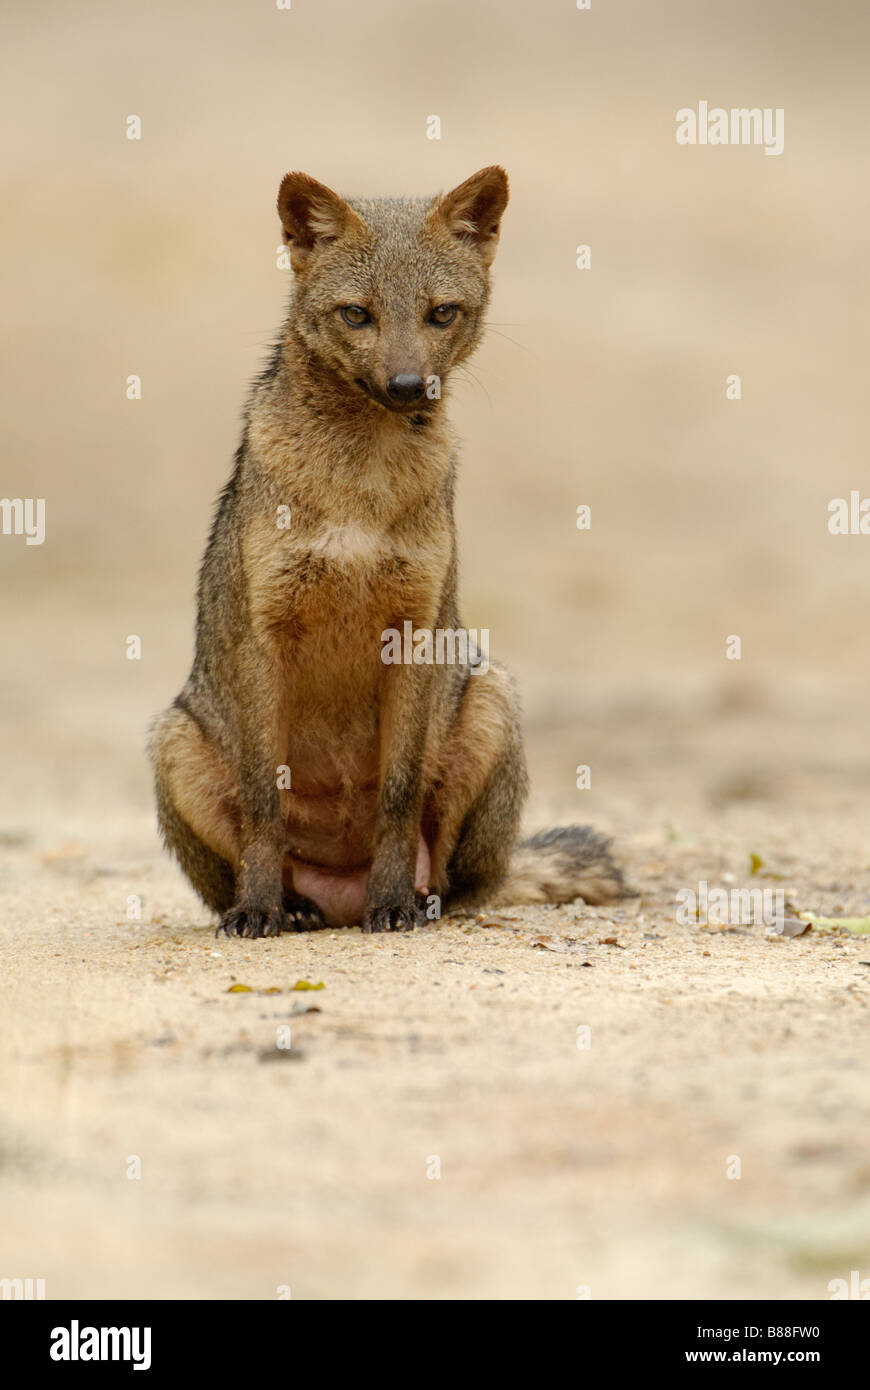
860 926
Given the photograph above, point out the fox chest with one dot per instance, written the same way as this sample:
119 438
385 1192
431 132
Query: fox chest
346 580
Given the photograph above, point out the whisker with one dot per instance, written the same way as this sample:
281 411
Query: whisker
491 328
463 367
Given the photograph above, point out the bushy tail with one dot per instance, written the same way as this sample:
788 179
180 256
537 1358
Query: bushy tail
557 866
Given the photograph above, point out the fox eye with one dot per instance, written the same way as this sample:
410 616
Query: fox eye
443 314
355 315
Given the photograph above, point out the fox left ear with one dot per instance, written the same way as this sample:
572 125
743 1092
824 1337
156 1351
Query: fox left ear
311 215
473 211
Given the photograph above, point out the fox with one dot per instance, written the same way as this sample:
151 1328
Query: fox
302 780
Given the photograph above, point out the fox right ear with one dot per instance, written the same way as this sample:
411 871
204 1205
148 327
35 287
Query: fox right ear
473 211
311 215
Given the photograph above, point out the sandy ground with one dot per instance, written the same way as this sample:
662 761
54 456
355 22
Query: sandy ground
603 1167
452 1050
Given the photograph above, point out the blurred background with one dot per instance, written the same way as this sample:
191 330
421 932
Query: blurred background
606 387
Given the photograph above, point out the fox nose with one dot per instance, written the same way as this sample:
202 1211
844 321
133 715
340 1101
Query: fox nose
405 387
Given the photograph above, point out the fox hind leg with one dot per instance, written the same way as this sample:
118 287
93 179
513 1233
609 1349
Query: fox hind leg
195 806
198 814
478 804
477 855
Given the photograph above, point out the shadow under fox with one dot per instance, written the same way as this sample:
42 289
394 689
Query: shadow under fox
336 525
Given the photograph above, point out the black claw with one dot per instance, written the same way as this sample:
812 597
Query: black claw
252 923
302 914
403 918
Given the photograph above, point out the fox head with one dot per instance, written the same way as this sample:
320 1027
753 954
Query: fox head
391 292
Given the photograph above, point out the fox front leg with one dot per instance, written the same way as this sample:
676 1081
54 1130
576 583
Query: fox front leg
406 699
258 909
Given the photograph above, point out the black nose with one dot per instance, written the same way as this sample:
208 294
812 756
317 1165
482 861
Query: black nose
405 387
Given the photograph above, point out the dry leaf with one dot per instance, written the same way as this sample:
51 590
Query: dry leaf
790 926
281 1054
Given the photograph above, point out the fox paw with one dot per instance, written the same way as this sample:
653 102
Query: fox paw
395 917
244 920
302 914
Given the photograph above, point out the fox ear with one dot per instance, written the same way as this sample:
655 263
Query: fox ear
311 215
473 211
